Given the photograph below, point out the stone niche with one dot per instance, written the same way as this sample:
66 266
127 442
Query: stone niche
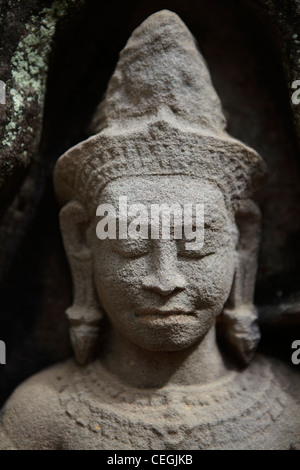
56 60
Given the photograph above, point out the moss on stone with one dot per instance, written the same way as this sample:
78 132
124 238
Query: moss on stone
29 65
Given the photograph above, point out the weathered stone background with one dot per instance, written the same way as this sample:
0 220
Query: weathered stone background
56 58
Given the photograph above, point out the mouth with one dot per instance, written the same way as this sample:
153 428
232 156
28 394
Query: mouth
159 312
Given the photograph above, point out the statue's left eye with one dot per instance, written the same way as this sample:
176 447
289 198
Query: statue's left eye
188 249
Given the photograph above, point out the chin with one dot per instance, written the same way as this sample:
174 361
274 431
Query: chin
167 335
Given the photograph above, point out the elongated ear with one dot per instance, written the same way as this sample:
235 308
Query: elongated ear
239 322
84 315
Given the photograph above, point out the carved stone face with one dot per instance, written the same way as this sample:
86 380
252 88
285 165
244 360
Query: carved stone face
160 295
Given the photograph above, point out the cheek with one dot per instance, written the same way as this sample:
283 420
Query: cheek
116 278
210 279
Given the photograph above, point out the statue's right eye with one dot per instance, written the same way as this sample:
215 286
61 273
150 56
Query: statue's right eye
131 248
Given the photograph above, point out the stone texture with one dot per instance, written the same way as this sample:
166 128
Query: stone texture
24 68
160 375
27 37
247 49
91 409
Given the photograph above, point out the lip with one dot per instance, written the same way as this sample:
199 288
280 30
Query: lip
164 312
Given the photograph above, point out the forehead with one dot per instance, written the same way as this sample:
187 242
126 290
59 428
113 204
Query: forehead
163 189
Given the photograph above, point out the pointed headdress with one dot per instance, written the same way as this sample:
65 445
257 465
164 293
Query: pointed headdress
160 115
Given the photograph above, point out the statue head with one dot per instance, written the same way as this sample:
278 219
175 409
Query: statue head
160 138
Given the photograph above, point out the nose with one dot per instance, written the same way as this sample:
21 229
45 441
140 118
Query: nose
164 279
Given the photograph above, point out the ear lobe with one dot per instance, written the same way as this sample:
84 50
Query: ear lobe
73 224
84 315
239 319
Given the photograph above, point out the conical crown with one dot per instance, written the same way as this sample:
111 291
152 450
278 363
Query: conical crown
160 115
161 69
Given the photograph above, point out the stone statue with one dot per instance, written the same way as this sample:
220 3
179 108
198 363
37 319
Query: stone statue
149 372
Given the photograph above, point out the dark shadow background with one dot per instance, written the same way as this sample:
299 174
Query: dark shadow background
247 74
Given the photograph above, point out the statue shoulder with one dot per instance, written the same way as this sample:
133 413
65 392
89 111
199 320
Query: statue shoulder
284 400
287 376
32 417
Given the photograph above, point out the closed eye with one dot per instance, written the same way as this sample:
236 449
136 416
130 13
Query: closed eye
185 250
131 248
